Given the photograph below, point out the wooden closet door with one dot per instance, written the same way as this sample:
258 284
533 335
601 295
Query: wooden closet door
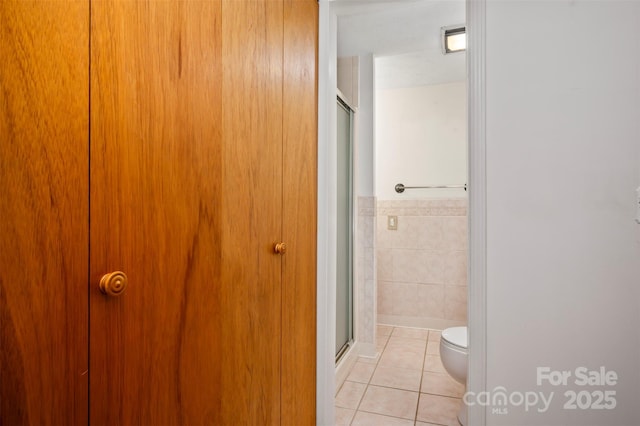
251 284
300 114
157 187
186 199
201 113
44 116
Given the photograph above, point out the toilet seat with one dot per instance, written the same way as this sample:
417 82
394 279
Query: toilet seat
456 336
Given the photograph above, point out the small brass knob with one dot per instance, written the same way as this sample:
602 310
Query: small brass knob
113 284
280 248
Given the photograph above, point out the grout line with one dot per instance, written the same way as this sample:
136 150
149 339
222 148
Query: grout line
400 389
424 358
386 415
375 369
371 377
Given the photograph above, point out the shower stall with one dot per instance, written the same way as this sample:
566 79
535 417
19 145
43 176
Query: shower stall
344 246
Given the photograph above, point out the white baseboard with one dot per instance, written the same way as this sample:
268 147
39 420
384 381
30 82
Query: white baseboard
368 350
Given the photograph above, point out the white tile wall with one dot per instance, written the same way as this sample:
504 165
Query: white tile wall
422 266
365 275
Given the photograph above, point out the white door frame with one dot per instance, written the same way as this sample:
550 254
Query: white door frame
326 293
477 269
327 205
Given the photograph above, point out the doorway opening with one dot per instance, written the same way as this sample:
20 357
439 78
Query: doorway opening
332 17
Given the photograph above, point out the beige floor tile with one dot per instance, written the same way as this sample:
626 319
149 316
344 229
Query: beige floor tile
382 341
398 357
433 347
382 338
438 409
390 402
412 333
369 419
434 363
441 384
344 416
384 330
398 378
406 343
435 335
370 360
408 361
350 395
361 372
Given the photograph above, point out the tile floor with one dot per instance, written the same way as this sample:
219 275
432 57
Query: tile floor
405 385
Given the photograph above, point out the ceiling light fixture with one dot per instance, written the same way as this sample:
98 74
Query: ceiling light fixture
454 39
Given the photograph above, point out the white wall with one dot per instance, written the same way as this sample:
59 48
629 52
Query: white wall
422 265
421 140
364 149
348 79
563 162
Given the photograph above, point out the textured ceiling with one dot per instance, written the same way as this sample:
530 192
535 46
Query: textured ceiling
404 36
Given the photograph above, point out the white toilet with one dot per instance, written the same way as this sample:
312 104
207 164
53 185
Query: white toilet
453 353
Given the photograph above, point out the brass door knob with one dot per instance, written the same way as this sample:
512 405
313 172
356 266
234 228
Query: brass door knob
280 248
113 284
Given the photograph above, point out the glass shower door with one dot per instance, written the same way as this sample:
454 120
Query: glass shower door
344 248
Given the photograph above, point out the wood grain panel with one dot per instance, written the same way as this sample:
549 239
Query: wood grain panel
156 173
300 212
43 212
252 205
